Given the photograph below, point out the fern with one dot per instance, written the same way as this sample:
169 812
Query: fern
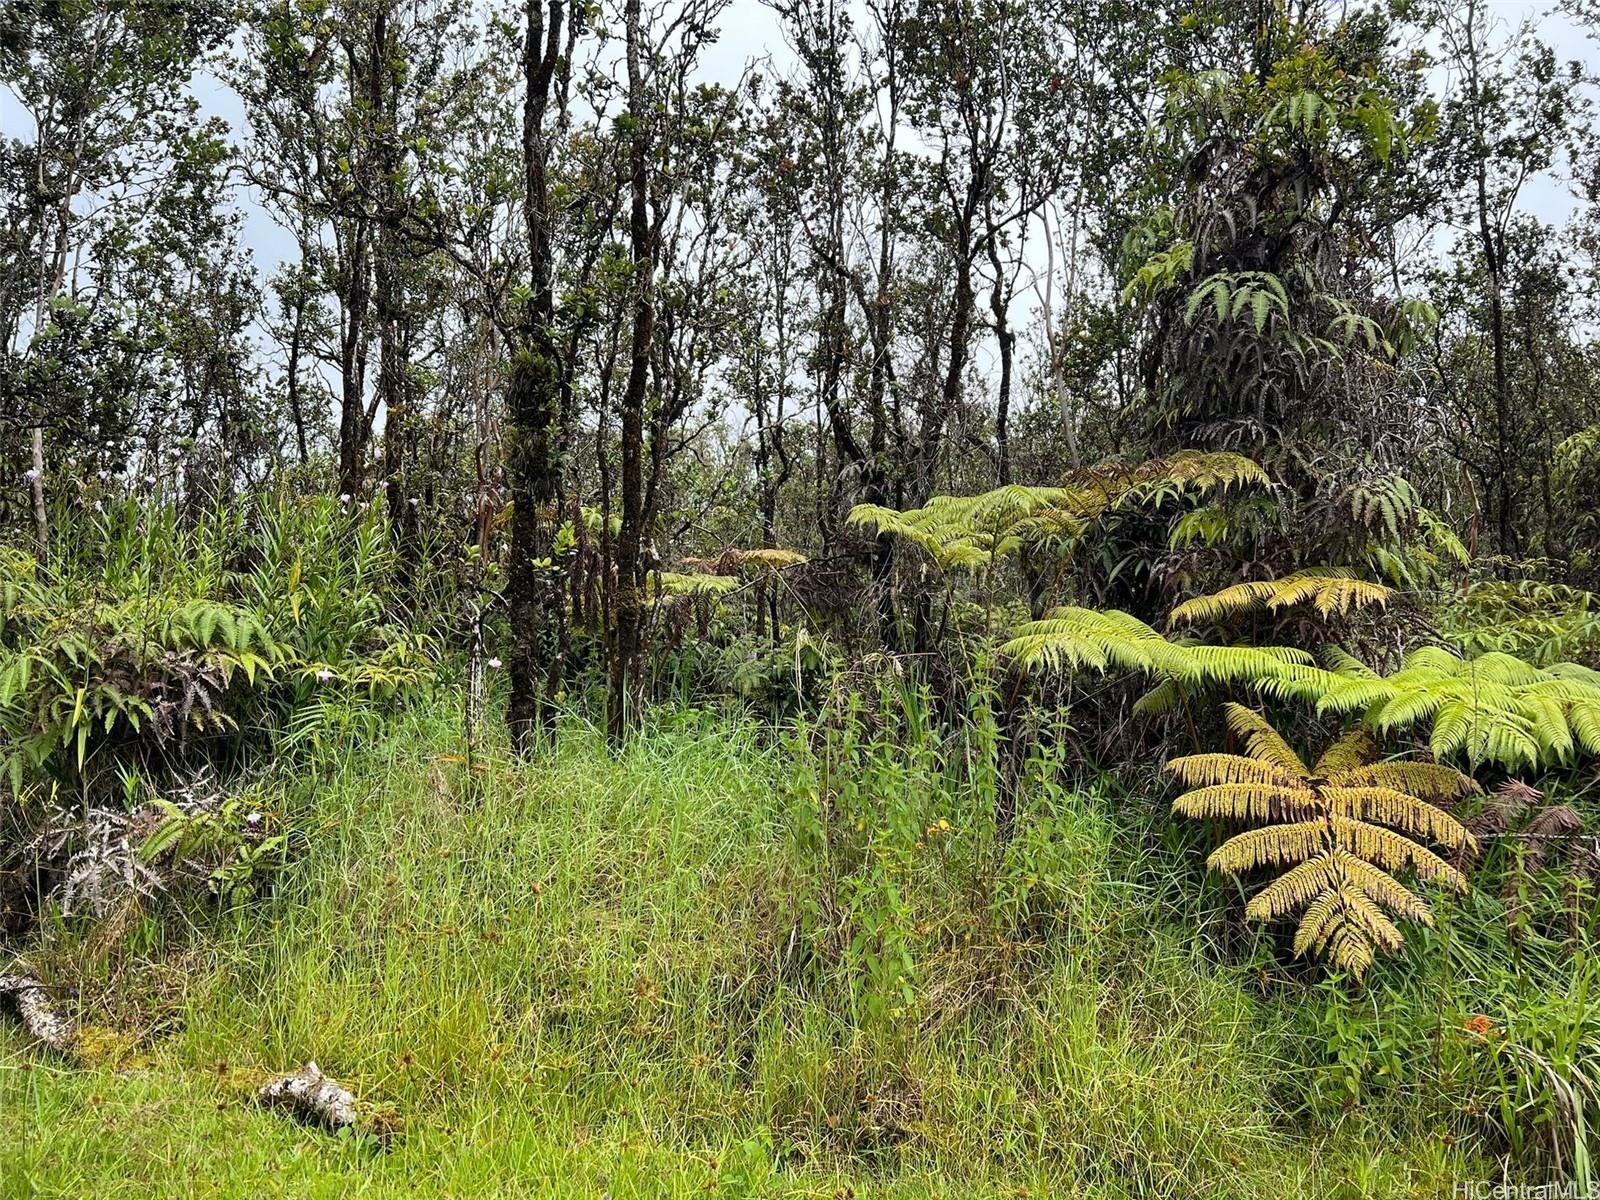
1491 708
1330 591
974 532
672 583
1343 829
768 558
1540 622
1071 638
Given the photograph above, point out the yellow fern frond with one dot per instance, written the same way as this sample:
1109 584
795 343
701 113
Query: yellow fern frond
1374 924
1246 802
1344 926
1294 889
1322 916
1353 750
1330 591
1392 851
1274 845
1198 770
1387 806
1341 832
1431 781
768 558
1264 741
1383 888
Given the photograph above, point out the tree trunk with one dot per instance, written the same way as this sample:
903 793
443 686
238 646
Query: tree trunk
628 648
536 442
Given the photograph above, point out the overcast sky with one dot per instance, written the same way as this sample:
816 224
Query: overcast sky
750 32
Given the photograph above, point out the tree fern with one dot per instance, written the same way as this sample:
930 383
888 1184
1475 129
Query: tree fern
1492 708
973 532
1338 833
767 558
1539 622
1330 591
1072 638
673 583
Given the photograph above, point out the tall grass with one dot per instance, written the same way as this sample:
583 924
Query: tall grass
658 975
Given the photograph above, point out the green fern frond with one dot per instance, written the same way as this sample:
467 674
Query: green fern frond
974 532
1072 637
671 583
1164 698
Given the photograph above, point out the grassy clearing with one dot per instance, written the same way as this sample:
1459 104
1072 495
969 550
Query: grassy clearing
591 976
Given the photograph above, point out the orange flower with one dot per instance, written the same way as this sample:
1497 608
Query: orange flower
1480 1025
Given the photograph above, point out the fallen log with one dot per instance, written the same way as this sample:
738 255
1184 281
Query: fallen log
30 997
314 1097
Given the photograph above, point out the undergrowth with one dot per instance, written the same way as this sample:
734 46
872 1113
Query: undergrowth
703 967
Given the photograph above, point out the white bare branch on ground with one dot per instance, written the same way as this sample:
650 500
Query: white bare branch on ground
312 1095
32 1000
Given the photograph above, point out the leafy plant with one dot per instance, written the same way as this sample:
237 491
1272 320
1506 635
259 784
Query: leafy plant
1072 637
974 532
1330 591
1491 708
1343 827
1537 621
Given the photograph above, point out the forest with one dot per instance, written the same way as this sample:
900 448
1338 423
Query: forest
924 599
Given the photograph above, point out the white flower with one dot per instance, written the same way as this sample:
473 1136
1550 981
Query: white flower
344 497
30 474
325 674
253 818
495 664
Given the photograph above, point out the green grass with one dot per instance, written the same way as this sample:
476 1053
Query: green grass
593 976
